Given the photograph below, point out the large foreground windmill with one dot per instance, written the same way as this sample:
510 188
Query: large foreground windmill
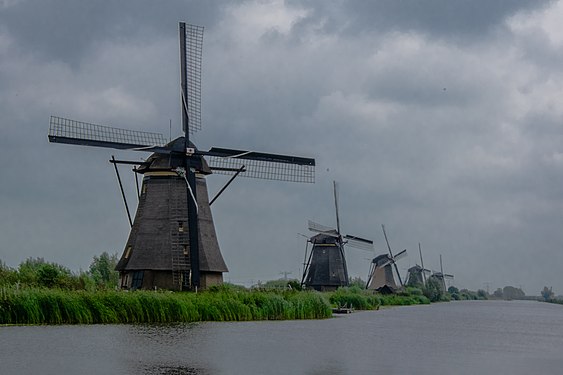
172 243
325 267
380 277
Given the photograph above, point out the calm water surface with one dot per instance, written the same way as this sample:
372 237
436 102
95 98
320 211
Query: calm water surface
474 337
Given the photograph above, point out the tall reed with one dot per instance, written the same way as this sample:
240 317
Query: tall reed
52 306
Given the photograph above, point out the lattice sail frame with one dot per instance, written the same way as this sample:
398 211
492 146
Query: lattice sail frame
64 130
263 169
194 52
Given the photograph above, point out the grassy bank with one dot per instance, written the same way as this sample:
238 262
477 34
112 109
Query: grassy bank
361 299
52 306
55 306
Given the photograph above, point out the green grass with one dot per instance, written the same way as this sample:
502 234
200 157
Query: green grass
53 306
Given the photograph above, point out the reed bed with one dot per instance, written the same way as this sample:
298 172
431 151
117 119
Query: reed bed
53 306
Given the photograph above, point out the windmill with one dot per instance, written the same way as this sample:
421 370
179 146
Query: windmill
380 277
441 277
172 243
326 267
416 275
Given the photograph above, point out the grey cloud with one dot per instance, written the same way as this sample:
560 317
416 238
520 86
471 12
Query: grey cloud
456 20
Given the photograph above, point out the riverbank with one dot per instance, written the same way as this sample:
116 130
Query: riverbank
29 306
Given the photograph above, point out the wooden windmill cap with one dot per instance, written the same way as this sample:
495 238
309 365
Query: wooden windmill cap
176 158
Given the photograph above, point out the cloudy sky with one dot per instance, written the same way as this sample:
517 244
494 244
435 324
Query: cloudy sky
441 119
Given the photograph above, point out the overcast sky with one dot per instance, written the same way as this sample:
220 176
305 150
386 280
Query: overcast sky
441 119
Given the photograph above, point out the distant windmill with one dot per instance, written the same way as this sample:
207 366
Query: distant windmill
416 275
172 243
325 268
380 273
441 277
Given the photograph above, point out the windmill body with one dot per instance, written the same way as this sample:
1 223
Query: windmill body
381 274
172 243
416 276
441 277
157 251
326 269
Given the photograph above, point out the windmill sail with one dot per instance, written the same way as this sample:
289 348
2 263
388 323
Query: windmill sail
359 243
261 165
63 130
192 36
316 227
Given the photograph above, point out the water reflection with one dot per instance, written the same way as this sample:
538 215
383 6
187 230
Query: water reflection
168 370
462 338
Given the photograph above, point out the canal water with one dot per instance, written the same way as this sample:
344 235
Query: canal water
470 337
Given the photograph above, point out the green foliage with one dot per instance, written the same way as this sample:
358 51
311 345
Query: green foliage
36 272
510 292
280 284
357 282
433 290
362 299
102 270
8 276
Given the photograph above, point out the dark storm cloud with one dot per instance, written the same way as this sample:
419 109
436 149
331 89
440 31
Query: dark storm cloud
44 27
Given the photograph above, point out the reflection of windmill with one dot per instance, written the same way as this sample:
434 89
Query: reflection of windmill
325 267
172 243
441 277
416 275
380 277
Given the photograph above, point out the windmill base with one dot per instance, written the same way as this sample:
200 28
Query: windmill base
153 280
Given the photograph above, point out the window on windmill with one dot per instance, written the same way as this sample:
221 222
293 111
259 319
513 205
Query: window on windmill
128 251
180 226
186 250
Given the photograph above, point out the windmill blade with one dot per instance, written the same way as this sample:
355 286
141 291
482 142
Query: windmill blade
62 130
262 165
192 38
335 190
448 276
391 254
400 255
316 227
359 243
422 264
425 270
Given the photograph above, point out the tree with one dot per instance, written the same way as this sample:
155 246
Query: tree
8 276
357 281
510 292
102 270
433 290
498 293
547 294
481 294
